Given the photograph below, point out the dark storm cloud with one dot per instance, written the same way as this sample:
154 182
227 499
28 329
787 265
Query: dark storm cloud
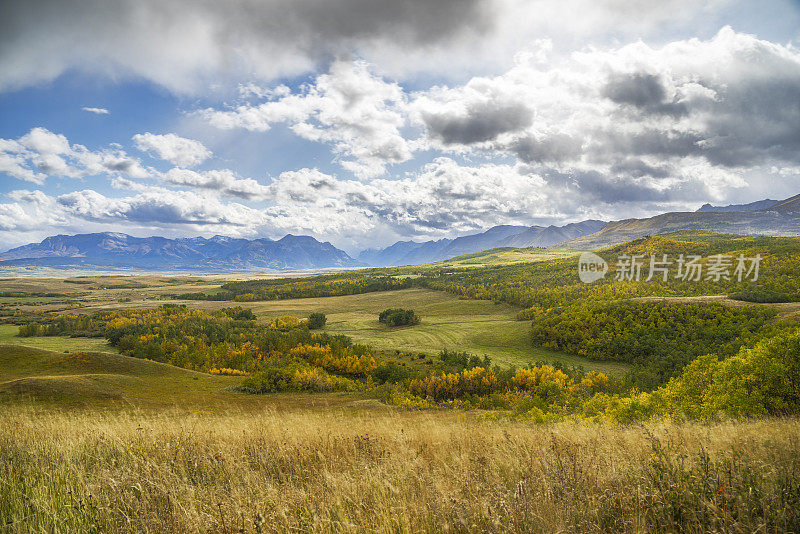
640 90
646 92
483 121
637 168
594 186
750 122
649 141
757 120
554 148
174 42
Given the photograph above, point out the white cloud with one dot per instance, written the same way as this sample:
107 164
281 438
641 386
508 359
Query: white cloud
173 148
161 207
222 181
686 121
41 153
16 165
444 197
29 211
96 111
358 113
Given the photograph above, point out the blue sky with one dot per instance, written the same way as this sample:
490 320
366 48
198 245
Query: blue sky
362 126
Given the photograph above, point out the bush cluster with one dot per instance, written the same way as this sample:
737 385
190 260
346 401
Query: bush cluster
398 317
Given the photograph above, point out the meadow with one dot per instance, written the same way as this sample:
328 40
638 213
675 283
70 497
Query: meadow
480 327
8 335
506 256
685 418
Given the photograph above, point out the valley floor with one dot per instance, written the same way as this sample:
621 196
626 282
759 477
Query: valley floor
480 327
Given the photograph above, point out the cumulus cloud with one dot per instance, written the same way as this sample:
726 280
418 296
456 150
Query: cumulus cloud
152 208
223 181
173 148
96 111
686 120
356 112
608 132
41 153
159 206
29 210
441 198
183 45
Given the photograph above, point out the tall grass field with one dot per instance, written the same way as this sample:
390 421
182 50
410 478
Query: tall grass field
372 469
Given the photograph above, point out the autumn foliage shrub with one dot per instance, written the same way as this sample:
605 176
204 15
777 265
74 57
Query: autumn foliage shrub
447 386
349 361
296 378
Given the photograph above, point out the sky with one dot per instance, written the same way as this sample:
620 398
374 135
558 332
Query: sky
364 122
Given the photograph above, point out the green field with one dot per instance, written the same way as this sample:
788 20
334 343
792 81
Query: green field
479 327
8 334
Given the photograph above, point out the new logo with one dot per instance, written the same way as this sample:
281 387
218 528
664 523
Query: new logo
591 267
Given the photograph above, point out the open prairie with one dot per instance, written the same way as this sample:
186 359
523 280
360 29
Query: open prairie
104 442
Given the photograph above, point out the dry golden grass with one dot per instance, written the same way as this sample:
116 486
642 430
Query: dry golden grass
376 469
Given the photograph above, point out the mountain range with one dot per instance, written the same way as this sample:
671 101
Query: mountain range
413 253
217 254
227 254
753 206
778 218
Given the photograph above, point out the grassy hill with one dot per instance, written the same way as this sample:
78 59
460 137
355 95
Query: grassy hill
505 256
92 378
103 380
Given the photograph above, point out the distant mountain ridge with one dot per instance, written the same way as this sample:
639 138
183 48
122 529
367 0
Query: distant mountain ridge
228 254
778 218
219 253
758 205
413 253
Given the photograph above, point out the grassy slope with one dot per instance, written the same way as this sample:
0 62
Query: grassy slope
505 256
112 380
8 334
370 470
